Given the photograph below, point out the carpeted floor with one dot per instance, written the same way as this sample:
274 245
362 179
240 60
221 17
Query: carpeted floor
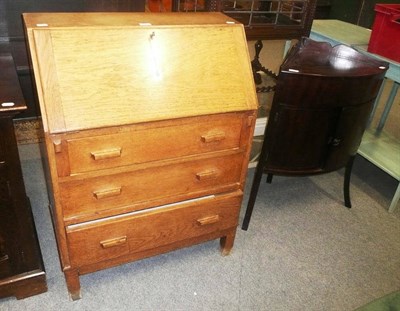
303 251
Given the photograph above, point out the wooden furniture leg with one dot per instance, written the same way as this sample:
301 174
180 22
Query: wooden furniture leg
252 199
73 284
254 187
395 199
346 184
226 242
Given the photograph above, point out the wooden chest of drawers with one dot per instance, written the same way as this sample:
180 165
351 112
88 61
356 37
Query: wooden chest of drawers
148 121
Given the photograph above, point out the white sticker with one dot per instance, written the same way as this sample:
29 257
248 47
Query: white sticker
9 104
144 24
42 25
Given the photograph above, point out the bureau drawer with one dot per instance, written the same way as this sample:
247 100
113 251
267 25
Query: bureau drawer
163 184
163 140
104 239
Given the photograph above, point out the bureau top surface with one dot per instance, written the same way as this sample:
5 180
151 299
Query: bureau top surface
97 70
124 19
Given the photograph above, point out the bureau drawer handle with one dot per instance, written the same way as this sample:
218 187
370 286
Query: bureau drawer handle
101 194
113 242
106 154
206 175
208 220
213 137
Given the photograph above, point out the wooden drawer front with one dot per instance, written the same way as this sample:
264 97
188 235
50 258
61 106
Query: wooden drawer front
201 135
190 179
140 231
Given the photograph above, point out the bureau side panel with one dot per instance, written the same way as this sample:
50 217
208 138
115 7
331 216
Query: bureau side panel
56 209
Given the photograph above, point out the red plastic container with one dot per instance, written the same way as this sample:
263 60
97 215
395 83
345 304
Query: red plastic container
385 36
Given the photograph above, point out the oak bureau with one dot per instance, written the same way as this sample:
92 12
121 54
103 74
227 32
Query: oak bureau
148 122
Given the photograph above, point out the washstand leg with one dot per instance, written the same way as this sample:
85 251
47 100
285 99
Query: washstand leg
346 184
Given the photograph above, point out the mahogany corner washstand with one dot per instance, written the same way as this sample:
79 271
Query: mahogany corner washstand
323 98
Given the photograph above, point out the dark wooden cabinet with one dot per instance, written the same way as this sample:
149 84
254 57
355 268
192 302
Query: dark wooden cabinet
21 267
320 109
321 105
262 19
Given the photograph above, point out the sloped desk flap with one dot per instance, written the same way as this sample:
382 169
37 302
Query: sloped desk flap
112 66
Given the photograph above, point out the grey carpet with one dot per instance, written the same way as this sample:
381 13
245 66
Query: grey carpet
303 251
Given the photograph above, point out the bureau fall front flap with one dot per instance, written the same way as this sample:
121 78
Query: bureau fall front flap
100 70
